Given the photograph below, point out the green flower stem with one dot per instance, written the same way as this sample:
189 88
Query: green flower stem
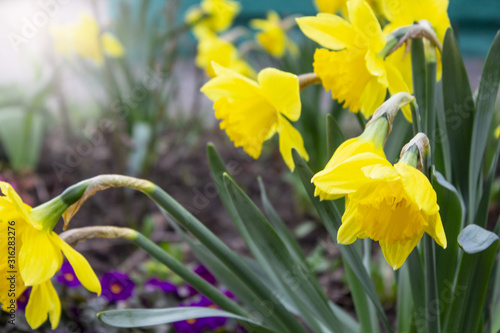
415 115
431 292
430 91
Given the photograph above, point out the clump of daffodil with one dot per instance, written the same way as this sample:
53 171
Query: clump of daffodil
85 40
214 49
38 256
395 206
403 13
353 68
215 15
273 37
252 112
344 172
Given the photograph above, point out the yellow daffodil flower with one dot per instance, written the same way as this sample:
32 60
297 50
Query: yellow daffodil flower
497 132
273 37
83 39
354 71
343 174
212 48
402 13
38 256
216 15
395 206
252 112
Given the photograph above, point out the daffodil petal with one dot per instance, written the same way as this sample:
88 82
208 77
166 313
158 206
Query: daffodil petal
418 188
347 176
328 30
43 301
111 45
397 84
81 266
39 258
349 231
282 91
435 230
373 96
396 253
290 138
362 17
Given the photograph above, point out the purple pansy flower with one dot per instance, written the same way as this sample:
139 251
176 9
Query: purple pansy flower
200 324
22 301
116 286
67 276
203 272
165 286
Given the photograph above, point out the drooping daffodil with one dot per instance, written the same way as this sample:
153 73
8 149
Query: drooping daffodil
251 112
215 15
215 49
37 254
272 36
84 39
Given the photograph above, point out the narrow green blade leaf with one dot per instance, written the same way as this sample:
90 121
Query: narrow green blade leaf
332 221
487 95
334 135
129 318
452 212
230 259
474 239
459 111
271 252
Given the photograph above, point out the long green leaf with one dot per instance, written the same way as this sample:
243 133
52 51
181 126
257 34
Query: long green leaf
452 212
225 255
459 112
332 221
485 106
271 252
129 318
334 136
469 292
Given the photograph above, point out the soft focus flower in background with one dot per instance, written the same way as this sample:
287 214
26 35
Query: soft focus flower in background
167 287
39 256
22 300
252 112
203 272
354 72
273 36
395 206
117 286
67 276
216 15
214 49
85 40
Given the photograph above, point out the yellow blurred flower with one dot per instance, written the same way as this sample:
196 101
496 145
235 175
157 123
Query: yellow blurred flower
38 256
83 38
252 112
355 72
402 12
216 15
395 206
336 6
213 49
497 132
273 37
